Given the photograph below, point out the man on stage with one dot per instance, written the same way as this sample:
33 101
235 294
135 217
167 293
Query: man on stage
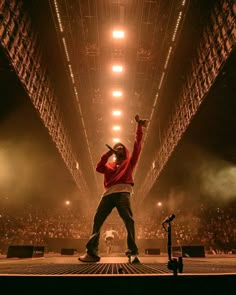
118 186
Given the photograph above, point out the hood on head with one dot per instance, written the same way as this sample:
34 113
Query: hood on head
126 149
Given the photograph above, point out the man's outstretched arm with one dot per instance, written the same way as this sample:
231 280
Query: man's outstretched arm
138 139
142 122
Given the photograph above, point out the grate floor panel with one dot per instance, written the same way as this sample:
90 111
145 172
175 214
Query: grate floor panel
156 265
80 269
110 268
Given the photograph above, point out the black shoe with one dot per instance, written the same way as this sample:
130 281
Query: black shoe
135 260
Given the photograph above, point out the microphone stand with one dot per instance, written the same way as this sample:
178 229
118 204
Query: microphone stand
173 263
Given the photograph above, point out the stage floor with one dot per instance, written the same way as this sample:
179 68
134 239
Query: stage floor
115 264
55 273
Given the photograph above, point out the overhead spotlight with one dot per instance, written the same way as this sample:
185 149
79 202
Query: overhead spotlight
118 34
117 68
117 93
116 128
159 204
67 203
116 140
116 113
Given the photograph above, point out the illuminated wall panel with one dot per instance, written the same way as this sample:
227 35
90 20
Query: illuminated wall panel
20 44
214 49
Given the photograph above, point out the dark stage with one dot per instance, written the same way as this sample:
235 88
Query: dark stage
55 272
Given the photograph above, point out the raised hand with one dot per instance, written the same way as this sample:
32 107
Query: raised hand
142 122
136 118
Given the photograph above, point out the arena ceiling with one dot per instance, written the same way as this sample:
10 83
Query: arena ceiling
160 42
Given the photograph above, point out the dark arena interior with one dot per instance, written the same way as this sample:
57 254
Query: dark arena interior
73 76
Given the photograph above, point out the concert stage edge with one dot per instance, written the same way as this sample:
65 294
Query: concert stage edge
64 273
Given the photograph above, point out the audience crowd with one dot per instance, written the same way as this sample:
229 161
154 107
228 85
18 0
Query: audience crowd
213 227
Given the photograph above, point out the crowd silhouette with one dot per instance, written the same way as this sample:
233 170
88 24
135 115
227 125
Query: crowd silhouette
211 226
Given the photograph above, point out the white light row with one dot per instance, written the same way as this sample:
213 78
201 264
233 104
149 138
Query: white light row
117 93
58 16
165 66
73 81
177 26
168 57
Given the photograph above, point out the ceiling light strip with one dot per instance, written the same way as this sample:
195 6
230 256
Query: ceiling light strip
169 54
72 78
58 16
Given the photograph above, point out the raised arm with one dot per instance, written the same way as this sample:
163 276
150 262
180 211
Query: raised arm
141 122
138 139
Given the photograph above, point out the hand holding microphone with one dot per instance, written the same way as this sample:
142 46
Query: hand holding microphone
111 149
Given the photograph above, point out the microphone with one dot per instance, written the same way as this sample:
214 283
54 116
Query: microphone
111 149
168 219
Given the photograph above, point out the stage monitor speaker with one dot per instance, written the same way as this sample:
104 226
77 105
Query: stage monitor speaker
67 251
193 251
152 251
25 251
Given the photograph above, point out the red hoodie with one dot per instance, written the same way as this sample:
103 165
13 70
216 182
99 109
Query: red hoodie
123 174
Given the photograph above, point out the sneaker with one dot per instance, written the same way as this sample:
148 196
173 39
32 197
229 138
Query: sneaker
89 258
135 260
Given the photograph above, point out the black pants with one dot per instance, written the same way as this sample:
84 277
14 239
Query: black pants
121 201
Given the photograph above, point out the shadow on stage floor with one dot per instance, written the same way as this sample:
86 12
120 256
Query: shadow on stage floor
55 273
